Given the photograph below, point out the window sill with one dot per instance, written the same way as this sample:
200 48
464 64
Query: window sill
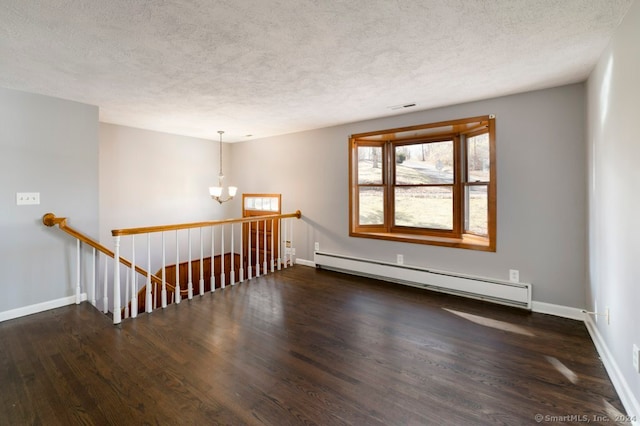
469 242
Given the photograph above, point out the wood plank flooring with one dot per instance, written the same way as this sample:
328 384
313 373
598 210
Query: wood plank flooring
303 346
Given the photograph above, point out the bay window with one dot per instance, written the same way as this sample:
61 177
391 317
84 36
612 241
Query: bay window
429 184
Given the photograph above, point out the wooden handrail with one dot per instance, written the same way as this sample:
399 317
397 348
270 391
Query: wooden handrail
150 229
50 219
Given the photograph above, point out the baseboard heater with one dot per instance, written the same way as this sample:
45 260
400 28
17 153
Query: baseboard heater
493 290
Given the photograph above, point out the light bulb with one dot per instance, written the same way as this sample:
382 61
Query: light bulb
215 191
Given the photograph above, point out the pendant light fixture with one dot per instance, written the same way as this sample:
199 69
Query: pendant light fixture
216 191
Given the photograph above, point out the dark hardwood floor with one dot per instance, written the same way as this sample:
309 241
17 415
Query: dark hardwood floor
304 346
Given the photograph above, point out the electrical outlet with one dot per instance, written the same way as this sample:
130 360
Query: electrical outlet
514 275
24 198
400 259
636 358
316 246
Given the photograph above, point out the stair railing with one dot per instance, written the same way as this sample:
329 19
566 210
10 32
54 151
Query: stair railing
50 219
261 242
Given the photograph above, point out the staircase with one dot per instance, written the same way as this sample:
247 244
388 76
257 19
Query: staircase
240 249
170 271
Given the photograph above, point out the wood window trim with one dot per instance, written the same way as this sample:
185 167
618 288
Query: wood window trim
467 241
409 135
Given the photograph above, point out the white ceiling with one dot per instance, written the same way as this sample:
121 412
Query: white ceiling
264 68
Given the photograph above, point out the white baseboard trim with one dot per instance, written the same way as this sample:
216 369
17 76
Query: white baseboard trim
620 384
557 310
305 262
40 307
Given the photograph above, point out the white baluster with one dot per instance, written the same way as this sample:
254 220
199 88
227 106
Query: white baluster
149 295
272 247
105 286
134 299
222 274
163 292
117 315
126 296
257 249
190 280
176 295
232 278
287 249
78 296
264 248
213 268
249 266
93 277
241 270
201 281
134 279
291 252
279 244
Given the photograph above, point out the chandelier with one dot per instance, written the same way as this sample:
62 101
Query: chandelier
216 191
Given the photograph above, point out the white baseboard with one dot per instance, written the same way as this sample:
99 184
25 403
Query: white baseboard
40 307
629 402
305 262
557 310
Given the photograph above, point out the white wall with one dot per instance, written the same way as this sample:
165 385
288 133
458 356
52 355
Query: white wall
49 146
614 180
541 191
150 178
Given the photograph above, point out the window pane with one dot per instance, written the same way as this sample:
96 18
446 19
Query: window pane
476 215
478 158
424 207
424 163
369 165
371 206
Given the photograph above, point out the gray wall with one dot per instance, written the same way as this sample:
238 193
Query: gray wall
150 178
49 146
614 178
541 194
541 191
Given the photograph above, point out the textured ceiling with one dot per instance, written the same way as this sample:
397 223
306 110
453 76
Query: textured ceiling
264 68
